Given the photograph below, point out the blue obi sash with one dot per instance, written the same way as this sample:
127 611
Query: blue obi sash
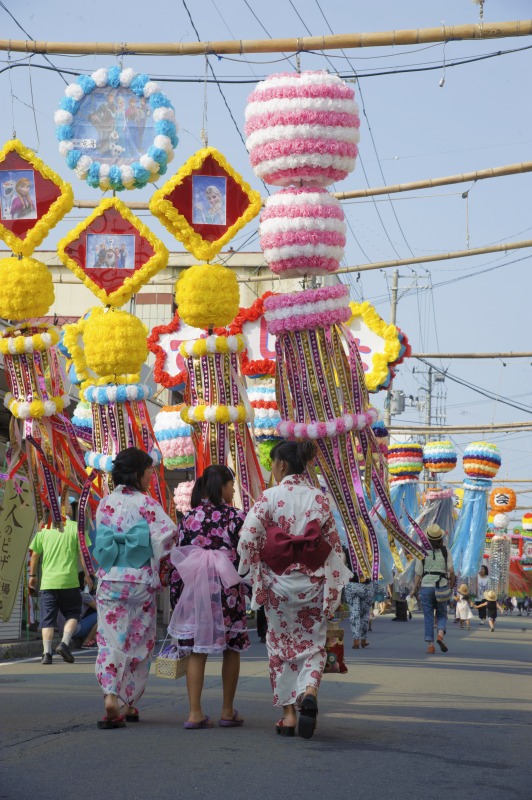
130 549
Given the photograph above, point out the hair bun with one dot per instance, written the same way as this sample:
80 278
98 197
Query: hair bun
306 450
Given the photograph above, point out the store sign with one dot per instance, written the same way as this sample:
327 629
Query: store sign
17 524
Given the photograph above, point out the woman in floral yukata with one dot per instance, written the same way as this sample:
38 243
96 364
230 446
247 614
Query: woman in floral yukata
133 534
290 545
210 608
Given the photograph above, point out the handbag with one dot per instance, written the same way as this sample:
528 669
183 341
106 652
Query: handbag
334 649
171 662
442 593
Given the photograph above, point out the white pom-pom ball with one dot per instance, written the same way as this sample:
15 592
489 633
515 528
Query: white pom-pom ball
126 76
62 117
65 147
74 91
100 77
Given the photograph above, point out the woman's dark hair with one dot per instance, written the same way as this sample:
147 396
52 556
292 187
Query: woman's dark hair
129 466
210 485
296 454
487 570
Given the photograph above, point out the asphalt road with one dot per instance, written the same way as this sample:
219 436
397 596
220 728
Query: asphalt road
400 724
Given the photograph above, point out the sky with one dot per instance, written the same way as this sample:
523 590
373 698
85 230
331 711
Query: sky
412 127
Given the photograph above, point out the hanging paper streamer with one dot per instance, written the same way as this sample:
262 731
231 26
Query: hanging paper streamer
438 509
481 462
173 438
499 577
405 463
217 407
264 404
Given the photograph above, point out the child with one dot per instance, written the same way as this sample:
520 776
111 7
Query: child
491 604
463 606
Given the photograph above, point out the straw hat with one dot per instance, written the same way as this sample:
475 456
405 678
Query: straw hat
490 595
434 532
464 589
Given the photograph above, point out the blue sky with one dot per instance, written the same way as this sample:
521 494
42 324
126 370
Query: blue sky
411 128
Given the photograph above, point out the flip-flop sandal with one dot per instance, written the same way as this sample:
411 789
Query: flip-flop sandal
234 722
285 730
443 647
115 722
196 726
307 717
133 716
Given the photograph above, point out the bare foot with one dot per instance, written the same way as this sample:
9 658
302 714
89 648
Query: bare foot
112 708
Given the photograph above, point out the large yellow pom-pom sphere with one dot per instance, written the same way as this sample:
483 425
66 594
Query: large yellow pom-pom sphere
26 288
207 296
115 342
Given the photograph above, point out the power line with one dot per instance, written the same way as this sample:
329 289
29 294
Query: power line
25 32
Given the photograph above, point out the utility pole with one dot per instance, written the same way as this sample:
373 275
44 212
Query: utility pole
428 410
393 317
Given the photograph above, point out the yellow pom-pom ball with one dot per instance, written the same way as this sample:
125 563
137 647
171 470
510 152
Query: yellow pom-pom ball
26 288
115 342
207 296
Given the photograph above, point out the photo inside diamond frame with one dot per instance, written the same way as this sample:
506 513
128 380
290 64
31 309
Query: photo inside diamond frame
17 194
116 251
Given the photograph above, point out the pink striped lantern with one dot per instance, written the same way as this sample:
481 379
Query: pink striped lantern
302 231
302 128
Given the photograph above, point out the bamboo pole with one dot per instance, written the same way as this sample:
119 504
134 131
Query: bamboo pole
430 183
496 482
401 262
471 355
345 41
489 427
427 183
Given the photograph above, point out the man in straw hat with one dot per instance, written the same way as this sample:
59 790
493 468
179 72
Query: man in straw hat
435 578
491 605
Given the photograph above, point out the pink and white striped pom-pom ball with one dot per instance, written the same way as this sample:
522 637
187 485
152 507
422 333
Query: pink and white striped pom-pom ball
182 496
302 231
302 128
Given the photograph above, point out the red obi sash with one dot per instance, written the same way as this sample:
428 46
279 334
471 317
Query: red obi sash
282 550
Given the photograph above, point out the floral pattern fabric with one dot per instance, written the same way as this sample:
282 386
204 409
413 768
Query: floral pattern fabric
359 598
298 602
126 597
216 528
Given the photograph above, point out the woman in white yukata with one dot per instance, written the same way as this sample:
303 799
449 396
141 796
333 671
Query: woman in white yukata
133 534
290 545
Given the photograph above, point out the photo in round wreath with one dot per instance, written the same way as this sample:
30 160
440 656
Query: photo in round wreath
116 129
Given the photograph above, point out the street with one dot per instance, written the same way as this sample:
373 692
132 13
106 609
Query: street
401 724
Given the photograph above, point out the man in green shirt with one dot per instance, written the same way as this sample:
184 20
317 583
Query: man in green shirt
59 590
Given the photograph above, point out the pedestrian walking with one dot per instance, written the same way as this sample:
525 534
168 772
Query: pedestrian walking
290 545
482 588
133 534
463 606
359 596
210 611
491 605
59 584
435 578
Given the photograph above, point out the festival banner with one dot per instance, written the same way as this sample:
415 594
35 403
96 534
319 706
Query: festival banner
17 524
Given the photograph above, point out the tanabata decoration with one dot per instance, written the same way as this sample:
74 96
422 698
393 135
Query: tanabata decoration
527 523
258 359
205 203
481 462
438 508
378 343
182 495
500 555
33 199
173 438
116 129
43 445
502 500
405 464
439 457
302 131
262 398
112 252
216 403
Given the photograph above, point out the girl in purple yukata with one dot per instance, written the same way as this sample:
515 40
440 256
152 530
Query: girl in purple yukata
133 534
291 548
210 607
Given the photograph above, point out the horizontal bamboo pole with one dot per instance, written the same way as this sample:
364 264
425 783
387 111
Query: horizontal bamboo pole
437 429
430 183
471 355
345 41
497 482
401 262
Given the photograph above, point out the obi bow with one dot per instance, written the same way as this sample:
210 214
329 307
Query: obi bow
282 550
130 549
